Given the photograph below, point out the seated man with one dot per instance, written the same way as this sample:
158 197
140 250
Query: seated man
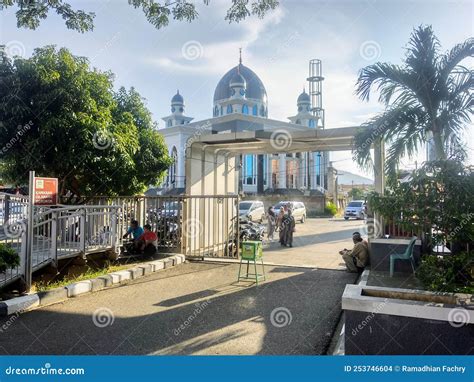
357 258
136 231
148 241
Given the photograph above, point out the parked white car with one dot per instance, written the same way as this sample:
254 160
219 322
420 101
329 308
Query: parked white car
298 209
252 210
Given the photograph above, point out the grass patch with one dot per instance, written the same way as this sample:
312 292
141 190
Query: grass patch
91 273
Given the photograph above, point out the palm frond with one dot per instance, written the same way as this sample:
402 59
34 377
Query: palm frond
454 57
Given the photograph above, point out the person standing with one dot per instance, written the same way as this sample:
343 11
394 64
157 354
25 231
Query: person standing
280 226
290 224
271 221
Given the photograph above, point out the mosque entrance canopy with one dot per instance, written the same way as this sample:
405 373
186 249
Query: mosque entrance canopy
279 140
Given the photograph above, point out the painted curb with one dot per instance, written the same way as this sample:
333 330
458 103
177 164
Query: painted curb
53 296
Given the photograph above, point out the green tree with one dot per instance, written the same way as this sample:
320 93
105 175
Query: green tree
356 194
63 119
31 12
428 96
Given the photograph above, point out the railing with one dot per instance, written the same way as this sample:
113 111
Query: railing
60 233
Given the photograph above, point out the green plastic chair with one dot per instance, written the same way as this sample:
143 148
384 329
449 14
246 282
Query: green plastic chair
407 255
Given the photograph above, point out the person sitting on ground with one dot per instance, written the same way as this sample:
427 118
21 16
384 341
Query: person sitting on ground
148 241
135 230
289 223
357 258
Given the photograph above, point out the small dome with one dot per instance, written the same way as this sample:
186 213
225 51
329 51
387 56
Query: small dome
304 98
237 80
177 98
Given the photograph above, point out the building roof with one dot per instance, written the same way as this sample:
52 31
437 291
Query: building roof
255 88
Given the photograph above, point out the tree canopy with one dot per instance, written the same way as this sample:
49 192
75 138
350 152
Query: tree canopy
63 119
31 12
427 98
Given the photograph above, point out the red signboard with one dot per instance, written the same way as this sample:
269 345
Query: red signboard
45 191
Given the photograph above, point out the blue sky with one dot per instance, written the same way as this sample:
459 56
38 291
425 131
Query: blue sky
345 35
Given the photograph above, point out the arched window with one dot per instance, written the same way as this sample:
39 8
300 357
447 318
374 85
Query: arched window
229 109
173 167
216 111
222 110
245 109
262 111
311 123
255 110
169 123
298 122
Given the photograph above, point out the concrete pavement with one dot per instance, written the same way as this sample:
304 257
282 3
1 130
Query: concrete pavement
196 308
316 244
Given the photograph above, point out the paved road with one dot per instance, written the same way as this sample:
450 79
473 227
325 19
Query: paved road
316 244
195 308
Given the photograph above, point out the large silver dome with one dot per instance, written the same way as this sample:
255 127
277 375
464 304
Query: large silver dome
255 88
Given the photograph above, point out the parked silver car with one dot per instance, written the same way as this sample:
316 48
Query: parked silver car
355 209
298 209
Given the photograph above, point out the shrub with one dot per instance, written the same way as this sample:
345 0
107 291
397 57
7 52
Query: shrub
8 258
448 273
330 209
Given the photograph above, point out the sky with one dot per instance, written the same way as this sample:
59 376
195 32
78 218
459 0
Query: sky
192 57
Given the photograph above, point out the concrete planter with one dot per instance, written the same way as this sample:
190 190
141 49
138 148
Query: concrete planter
392 321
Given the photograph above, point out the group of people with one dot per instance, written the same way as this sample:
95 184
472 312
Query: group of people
284 223
144 240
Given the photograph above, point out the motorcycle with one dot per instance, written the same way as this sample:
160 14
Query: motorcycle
248 231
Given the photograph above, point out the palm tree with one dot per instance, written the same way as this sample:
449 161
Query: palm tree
428 98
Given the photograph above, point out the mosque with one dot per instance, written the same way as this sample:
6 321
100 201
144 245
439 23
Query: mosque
240 103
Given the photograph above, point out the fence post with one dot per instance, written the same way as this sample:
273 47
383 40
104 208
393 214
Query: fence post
6 213
113 228
82 231
54 237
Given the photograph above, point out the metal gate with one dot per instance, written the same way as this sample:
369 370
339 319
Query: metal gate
196 226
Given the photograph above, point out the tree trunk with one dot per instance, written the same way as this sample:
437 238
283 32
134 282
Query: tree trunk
439 146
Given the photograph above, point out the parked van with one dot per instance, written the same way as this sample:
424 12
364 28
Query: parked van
252 210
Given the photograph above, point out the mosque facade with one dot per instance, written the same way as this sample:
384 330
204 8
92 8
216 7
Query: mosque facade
241 93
